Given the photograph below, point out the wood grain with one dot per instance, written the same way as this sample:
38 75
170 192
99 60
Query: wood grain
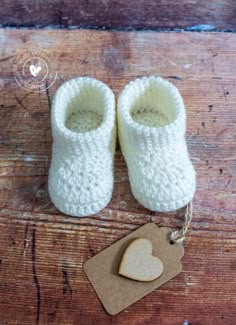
188 14
42 251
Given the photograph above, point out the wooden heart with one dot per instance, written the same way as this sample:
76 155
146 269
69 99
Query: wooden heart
138 263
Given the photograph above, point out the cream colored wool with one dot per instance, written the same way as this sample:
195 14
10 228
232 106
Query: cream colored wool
84 136
152 125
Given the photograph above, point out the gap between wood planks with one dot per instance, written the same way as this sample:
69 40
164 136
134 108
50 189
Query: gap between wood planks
194 28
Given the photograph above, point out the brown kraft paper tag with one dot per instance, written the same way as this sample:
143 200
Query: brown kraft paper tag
117 292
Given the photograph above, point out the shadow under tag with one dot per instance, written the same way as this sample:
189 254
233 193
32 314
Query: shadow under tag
117 292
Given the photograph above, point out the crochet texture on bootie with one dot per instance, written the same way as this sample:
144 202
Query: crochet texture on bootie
84 135
152 125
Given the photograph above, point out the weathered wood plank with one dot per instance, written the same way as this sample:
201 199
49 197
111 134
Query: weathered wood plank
151 14
46 262
42 251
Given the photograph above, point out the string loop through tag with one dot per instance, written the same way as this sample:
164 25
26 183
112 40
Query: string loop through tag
178 236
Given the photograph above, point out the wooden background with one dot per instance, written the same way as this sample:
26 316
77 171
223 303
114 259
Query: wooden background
124 14
41 250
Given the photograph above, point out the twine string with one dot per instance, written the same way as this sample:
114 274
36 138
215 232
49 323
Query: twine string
178 236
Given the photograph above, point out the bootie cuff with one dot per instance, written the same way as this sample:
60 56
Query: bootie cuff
138 100
73 94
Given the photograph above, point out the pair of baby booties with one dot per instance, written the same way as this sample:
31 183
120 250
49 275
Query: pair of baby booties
151 128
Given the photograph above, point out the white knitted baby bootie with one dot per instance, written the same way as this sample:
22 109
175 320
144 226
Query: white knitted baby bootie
151 120
84 135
